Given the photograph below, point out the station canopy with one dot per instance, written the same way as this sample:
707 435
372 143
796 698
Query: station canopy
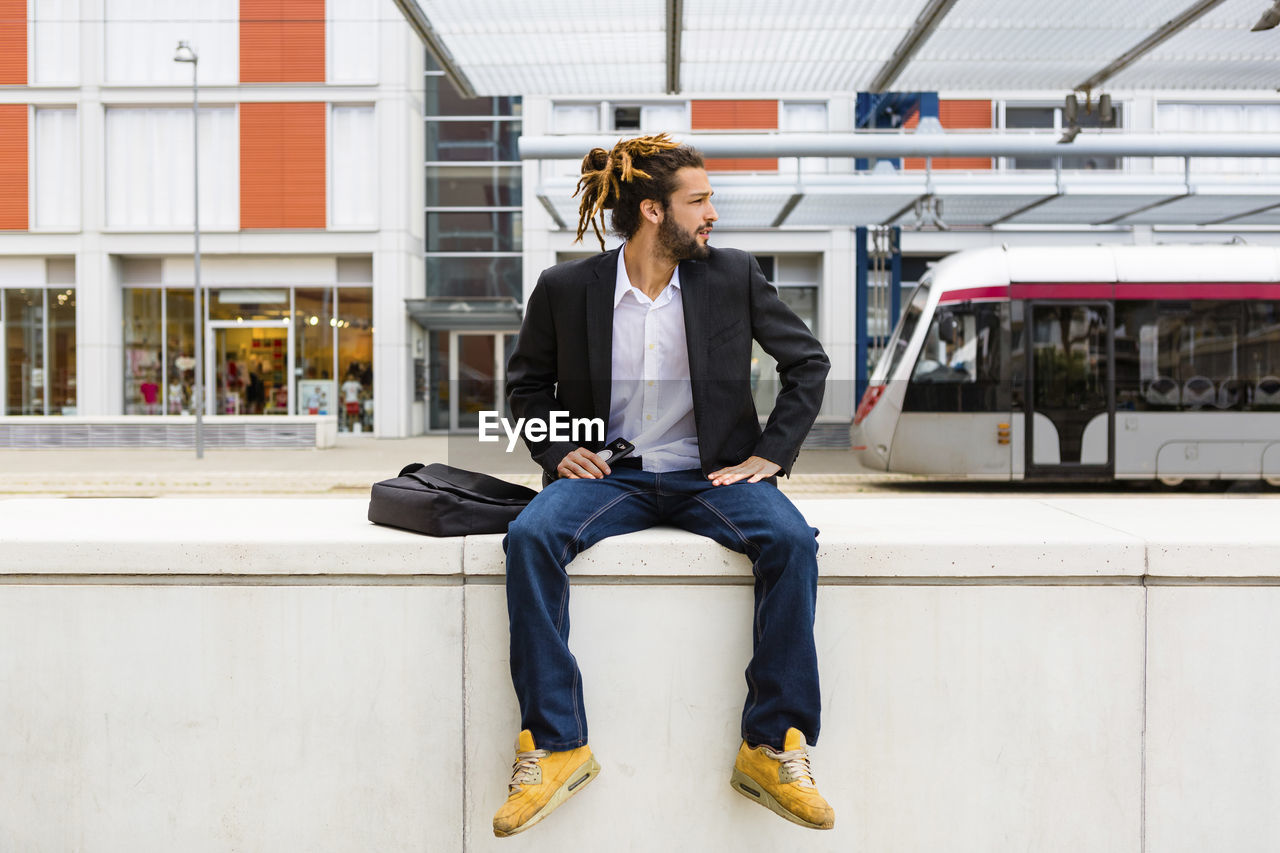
641 47
979 48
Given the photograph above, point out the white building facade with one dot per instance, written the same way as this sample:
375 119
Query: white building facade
310 192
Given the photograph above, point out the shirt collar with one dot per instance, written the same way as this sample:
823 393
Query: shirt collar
624 286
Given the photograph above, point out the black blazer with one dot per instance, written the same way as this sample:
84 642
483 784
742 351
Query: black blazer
563 358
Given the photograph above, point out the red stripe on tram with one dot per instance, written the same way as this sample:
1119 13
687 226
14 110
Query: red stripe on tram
996 292
1131 290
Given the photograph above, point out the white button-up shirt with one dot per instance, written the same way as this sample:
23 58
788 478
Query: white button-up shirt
652 400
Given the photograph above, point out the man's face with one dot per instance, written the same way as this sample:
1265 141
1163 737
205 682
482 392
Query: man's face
688 217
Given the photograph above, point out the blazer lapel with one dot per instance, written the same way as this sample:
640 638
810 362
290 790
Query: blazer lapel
600 332
694 299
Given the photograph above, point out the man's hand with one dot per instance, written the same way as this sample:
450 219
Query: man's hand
582 464
754 468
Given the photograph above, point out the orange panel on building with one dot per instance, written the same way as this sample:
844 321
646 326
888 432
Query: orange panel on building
282 165
956 115
282 41
13 42
736 115
13 167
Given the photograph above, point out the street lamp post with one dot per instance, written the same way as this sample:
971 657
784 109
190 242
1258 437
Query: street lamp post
186 54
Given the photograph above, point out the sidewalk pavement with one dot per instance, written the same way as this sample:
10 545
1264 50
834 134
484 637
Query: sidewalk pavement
347 470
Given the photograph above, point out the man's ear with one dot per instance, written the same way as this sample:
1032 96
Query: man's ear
651 211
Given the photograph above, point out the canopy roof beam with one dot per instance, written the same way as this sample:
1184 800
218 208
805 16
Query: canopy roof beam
675 28
1170 28
422 26
926 22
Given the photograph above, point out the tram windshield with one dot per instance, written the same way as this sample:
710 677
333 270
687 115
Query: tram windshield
897 347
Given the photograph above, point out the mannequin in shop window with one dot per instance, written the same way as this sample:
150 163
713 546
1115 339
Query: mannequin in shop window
351 393
150 395
177 396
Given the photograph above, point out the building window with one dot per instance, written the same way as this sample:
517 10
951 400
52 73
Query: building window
56 200
55 46
149 168
140 37
354 326
796 277
353 194
803 117
352 40
1242 119
474 195
39 354
332 358
1049 117
159 351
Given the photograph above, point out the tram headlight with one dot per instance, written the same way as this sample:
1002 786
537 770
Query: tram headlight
869 400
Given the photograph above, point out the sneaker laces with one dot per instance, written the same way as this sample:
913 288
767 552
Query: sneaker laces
796 763
522 773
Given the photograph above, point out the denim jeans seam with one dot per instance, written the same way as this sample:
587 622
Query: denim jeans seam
577 685
745 541
755 631
577 534
755 627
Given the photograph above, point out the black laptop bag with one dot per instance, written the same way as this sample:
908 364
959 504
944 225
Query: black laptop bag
440 500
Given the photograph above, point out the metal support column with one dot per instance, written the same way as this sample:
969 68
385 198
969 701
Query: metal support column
860 331
895 276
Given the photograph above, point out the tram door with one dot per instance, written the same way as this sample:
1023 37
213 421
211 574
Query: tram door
1070 428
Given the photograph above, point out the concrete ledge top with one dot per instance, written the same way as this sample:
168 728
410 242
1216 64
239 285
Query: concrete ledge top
878 537
233 536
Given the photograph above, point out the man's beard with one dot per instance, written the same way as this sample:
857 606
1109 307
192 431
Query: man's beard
680 245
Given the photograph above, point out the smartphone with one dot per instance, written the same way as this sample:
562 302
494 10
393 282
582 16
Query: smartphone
616 449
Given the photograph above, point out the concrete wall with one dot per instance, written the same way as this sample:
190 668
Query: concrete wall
998 674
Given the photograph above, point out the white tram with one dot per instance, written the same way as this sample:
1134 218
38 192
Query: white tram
1099 362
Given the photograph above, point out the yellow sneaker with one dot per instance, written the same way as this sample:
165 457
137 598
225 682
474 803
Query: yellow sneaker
540 782
783 782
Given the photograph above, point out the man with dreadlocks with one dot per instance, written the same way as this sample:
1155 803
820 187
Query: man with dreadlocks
654 339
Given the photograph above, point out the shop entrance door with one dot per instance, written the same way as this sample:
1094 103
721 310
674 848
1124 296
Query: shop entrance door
248 368
477 376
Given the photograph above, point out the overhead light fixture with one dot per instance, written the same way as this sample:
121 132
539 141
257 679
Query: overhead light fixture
1269 20
1070 118
1105 113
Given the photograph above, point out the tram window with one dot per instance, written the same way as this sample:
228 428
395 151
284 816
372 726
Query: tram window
962 362
1201 355
1260 355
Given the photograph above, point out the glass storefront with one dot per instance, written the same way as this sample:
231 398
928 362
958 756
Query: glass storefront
280 350
39 352
354 327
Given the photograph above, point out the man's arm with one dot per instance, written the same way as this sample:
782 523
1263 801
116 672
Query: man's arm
802 369
531 376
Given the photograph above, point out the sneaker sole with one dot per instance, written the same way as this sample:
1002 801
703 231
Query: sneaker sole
755 792
578 780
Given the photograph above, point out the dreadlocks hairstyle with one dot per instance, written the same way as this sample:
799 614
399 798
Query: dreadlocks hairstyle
618 180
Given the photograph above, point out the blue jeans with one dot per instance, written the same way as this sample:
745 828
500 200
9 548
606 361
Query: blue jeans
755 519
